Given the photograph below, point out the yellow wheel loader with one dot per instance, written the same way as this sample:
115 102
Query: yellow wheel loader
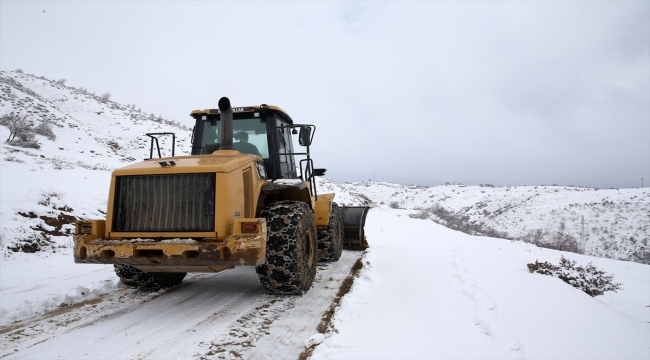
230 203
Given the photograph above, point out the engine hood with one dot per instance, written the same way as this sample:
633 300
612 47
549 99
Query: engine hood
222 161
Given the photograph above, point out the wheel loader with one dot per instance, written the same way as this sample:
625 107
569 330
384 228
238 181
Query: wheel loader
229 203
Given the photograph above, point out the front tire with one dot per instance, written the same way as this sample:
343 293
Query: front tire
151 281
291 248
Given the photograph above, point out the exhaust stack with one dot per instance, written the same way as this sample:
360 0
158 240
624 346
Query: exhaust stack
226 132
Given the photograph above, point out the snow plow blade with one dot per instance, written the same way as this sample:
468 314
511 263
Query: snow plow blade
354 220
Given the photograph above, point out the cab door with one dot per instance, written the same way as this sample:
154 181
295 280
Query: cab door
285 167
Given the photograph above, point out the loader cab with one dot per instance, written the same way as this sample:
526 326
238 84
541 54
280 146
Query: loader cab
264 131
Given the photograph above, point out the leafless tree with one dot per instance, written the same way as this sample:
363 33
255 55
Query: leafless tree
19 125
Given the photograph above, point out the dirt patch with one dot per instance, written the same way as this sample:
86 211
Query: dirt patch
325 324
248 329
30 215
33 242
57 223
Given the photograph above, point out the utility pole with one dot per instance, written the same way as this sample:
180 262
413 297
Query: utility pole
641 182
582 234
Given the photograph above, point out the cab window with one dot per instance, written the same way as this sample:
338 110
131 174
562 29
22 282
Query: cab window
249 136
285 147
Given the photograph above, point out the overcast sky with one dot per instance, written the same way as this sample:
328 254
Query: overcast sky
499 92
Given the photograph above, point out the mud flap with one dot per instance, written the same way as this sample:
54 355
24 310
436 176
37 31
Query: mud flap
354 220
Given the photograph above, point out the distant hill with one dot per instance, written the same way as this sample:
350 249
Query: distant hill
616 221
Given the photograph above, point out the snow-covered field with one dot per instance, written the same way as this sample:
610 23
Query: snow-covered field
424 291
616 221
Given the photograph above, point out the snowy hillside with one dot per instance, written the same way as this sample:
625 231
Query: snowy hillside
43 190
616 221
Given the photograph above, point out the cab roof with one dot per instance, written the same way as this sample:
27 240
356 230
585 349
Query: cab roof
242 109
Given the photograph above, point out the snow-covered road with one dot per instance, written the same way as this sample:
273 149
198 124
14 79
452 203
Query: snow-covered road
207 316
434 293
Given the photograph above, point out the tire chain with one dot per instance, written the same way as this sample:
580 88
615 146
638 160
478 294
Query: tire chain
141 280
330 238
284 271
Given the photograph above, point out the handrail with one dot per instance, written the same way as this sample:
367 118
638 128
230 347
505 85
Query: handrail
153 137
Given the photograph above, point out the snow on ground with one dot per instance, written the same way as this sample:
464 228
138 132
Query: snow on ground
425 291
46 281
429 292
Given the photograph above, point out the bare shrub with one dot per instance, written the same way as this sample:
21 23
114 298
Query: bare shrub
589 279
21 131
422 214
61 81
641 256
105 97
20 71
458 222
564 242
45 129
17 124
13 159
533 236
394 205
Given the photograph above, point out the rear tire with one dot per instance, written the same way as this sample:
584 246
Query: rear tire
291 248
152 281
330 238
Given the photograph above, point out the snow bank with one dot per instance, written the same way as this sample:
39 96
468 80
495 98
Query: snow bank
430 292
42 282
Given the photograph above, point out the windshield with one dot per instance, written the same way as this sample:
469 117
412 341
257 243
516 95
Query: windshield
249 136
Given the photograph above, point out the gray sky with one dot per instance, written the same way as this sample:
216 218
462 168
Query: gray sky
506 93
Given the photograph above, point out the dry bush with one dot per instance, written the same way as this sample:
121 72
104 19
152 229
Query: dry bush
458 222
589 279
45 129
558 240
18 124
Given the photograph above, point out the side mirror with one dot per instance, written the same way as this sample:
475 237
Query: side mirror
304 138
319 172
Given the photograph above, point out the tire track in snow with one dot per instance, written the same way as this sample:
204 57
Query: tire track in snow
278 328
481 309
227 311
33 331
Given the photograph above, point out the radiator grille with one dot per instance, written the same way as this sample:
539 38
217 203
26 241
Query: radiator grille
177 202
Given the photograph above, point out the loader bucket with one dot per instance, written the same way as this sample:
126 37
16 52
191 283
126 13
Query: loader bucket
354 219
